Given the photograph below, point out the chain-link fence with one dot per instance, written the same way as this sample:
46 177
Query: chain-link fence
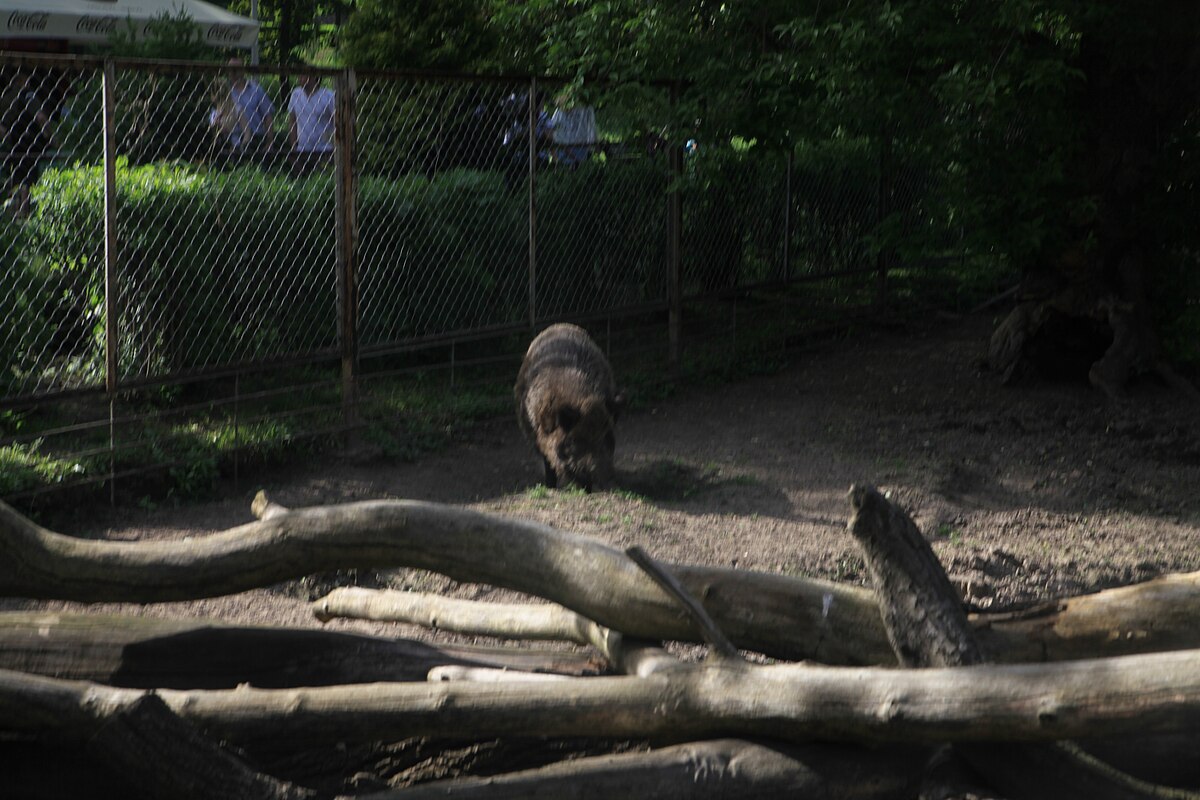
167 223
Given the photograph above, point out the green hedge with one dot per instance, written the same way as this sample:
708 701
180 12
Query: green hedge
601 231
217 267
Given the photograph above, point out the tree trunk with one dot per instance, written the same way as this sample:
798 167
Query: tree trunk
508 620
132 731
780 616
1092 287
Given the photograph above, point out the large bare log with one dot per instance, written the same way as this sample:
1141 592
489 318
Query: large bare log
174 761
506 620
796 620
928 629
1033 702
134 731
721 768
149 652
782 616
1156 615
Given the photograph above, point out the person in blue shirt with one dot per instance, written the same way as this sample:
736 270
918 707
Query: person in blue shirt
248 117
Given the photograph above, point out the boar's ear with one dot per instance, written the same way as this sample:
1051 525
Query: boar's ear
616 405
568 417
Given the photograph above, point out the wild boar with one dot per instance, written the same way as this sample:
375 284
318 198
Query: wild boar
567 405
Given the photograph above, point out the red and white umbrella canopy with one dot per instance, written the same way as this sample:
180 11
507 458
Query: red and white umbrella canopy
96 20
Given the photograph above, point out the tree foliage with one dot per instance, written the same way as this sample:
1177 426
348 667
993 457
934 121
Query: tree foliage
423 34
1065 129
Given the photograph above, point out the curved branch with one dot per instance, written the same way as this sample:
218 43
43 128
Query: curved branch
782 616
773 614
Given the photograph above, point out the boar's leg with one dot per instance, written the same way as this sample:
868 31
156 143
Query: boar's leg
551 475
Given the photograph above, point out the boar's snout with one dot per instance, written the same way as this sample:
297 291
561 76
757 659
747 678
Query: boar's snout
585 452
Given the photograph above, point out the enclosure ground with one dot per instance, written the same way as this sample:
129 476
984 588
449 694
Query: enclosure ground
1027 493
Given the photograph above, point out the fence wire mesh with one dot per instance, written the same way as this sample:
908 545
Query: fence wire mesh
227 237
51 247
443 233
406 211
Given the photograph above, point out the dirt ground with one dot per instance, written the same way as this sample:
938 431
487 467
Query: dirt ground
1027 493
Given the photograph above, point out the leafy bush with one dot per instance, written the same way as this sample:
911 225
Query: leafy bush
601 235
439 255
221 267
207 275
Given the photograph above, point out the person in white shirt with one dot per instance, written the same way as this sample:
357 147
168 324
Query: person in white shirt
574 134
311 110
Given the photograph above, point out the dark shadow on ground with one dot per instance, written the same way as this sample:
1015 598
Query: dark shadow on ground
674 484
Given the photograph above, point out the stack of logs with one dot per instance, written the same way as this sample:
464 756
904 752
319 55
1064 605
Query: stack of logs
1090 697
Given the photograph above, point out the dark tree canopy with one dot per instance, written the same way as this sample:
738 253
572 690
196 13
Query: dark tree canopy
1067 127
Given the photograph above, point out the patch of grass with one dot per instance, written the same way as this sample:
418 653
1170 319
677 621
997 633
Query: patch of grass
26 466
848 569
947 531
538 492
630 495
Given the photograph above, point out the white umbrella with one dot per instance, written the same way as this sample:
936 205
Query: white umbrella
96 20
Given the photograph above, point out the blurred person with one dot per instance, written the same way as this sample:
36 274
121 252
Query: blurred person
27 134
230 123
247 116
311 110
574 131
516 136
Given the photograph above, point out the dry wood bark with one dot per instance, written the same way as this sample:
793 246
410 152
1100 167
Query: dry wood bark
537 622
782 616
1034 702
724 768
768 613
133 731
173 760
1156 615
716 638
928 629
149 652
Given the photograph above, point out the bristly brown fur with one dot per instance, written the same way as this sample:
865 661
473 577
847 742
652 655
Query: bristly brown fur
567 405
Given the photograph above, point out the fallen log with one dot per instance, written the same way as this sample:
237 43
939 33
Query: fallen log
173 761
1028 702
148 652
133 731
503 620
1155 615
791 620
720 768
927 628
782 616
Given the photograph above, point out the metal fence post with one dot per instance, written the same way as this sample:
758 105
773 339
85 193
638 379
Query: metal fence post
346 212
674 245
533 119
111 276
881 212
111 300
789 164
